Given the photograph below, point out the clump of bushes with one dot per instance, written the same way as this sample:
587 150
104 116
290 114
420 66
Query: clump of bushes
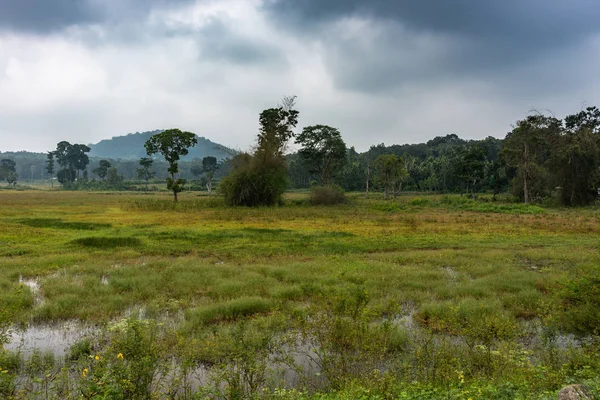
257 180
327 195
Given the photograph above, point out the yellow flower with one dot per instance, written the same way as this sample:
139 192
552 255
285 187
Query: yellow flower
85 372
120 356
97 358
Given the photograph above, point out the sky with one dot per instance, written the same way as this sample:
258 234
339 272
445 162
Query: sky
381 71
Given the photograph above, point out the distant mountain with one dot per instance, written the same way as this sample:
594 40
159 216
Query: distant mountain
131 146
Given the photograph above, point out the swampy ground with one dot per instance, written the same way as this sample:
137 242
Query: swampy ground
417 297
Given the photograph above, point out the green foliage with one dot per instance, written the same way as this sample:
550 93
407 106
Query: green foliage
391 171
323 151
327 196
8 171
172 144
255 181
260 179
580 302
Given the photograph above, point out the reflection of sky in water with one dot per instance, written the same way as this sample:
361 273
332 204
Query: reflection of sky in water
47 338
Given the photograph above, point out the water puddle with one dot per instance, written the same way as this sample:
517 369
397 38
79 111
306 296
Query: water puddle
34 286
56 338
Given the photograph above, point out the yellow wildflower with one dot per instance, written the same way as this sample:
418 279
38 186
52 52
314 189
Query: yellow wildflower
84 372
120 356
97 358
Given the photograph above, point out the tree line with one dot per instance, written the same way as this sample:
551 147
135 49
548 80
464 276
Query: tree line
541 157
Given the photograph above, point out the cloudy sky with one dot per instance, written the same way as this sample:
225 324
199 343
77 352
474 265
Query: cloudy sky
393 71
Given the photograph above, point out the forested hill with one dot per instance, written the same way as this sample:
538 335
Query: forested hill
131 147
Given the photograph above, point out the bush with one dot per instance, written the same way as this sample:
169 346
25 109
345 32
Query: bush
327 195
255 181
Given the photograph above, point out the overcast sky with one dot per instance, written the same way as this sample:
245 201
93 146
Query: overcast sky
393 71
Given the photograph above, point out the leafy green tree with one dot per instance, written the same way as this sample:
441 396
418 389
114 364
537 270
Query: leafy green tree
323 151
527 148
276 128
8 171
197 169
145 172
113 179
575 159
209 166
261 178
391 171
102 169
50 166
172 144
471 168
72 158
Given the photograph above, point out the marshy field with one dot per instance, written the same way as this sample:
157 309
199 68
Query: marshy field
128 295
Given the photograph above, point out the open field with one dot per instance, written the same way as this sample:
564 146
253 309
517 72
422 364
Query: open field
445 297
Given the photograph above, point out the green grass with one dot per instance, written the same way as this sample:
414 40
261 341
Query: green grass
459 267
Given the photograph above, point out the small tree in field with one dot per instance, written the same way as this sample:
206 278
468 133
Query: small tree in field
145 171
261 178
172 144
50 166
390 169
102 170
323 151
8 171
209 166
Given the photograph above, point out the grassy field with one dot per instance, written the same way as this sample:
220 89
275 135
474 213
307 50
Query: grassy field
419 297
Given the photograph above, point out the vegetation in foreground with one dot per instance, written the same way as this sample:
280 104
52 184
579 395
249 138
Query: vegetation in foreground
420 297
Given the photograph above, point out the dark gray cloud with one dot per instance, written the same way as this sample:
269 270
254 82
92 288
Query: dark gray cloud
46 16
466 38
219 42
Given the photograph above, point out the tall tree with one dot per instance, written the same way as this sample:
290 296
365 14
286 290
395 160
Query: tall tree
102 169
8 171
209 166
145 172
50 166
471 168
323 151
576 158
261 178
527 149
72 158
391 171
172 144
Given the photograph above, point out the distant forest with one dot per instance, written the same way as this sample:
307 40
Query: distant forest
540 159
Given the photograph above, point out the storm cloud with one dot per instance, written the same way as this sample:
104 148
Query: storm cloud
391 71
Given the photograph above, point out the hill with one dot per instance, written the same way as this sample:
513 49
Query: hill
131 146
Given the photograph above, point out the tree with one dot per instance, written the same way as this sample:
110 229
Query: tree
72 159
276 128
50 166
113 179
172 144
323 151
102 169
209 166
575 158
145 171
471 168
527 148
261 178
196 169
8 171
390 169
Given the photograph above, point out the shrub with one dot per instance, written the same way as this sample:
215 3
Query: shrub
255 181
327 195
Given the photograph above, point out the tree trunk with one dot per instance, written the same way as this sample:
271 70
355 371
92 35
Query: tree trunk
209 187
